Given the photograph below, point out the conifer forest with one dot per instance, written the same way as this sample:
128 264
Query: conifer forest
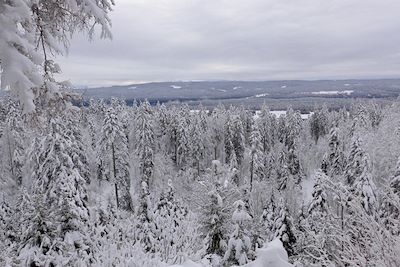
141 185
107 183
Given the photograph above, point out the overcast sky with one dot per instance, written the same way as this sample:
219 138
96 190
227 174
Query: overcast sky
170 40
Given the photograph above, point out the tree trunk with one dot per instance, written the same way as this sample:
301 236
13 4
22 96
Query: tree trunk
251 171
115 176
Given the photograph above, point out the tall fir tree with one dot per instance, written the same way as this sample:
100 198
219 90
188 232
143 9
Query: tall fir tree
283 227
112 159
239 244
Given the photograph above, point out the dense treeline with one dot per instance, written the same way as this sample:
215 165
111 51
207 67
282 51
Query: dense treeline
112 185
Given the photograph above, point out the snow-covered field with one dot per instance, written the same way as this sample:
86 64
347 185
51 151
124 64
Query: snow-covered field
344 92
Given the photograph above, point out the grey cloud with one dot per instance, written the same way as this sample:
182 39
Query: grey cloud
231 39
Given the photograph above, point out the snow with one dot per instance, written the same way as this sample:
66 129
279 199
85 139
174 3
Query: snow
344 92
188 263
271 255
279 113
307 186
261 95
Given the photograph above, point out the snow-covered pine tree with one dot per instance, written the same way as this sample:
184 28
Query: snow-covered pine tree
175 234
256 156
172 133
292 127
14 135
364 186
183 137
78 149
269 216
319 123
32 31
360 118
294 166
317 208
7 234
216 131
238 139
197 142
375 114
354 168
145 142
389 211
112 159
228 136
282 170
145 151
146 227
358 176
283 227
57 233
333 161
239 244
213 221
266 125
395 181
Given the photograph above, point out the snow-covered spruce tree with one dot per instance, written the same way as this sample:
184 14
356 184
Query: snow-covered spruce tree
319 123
78 149
282 170
145 142
213 220
269 216
360 118
256 168
145 227
364 187
317 209
183 137
112 159
7 234
57 233
283 227
13 135
216 131
354 166
266 126
389 210
161 127
292 124
239 244
145 151
294 166
358 176
333 161
176 237
238 139
197 142
172 133
395 181
228 136
32 31
94 119
375 114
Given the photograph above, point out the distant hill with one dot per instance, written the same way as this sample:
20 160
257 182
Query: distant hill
251 93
